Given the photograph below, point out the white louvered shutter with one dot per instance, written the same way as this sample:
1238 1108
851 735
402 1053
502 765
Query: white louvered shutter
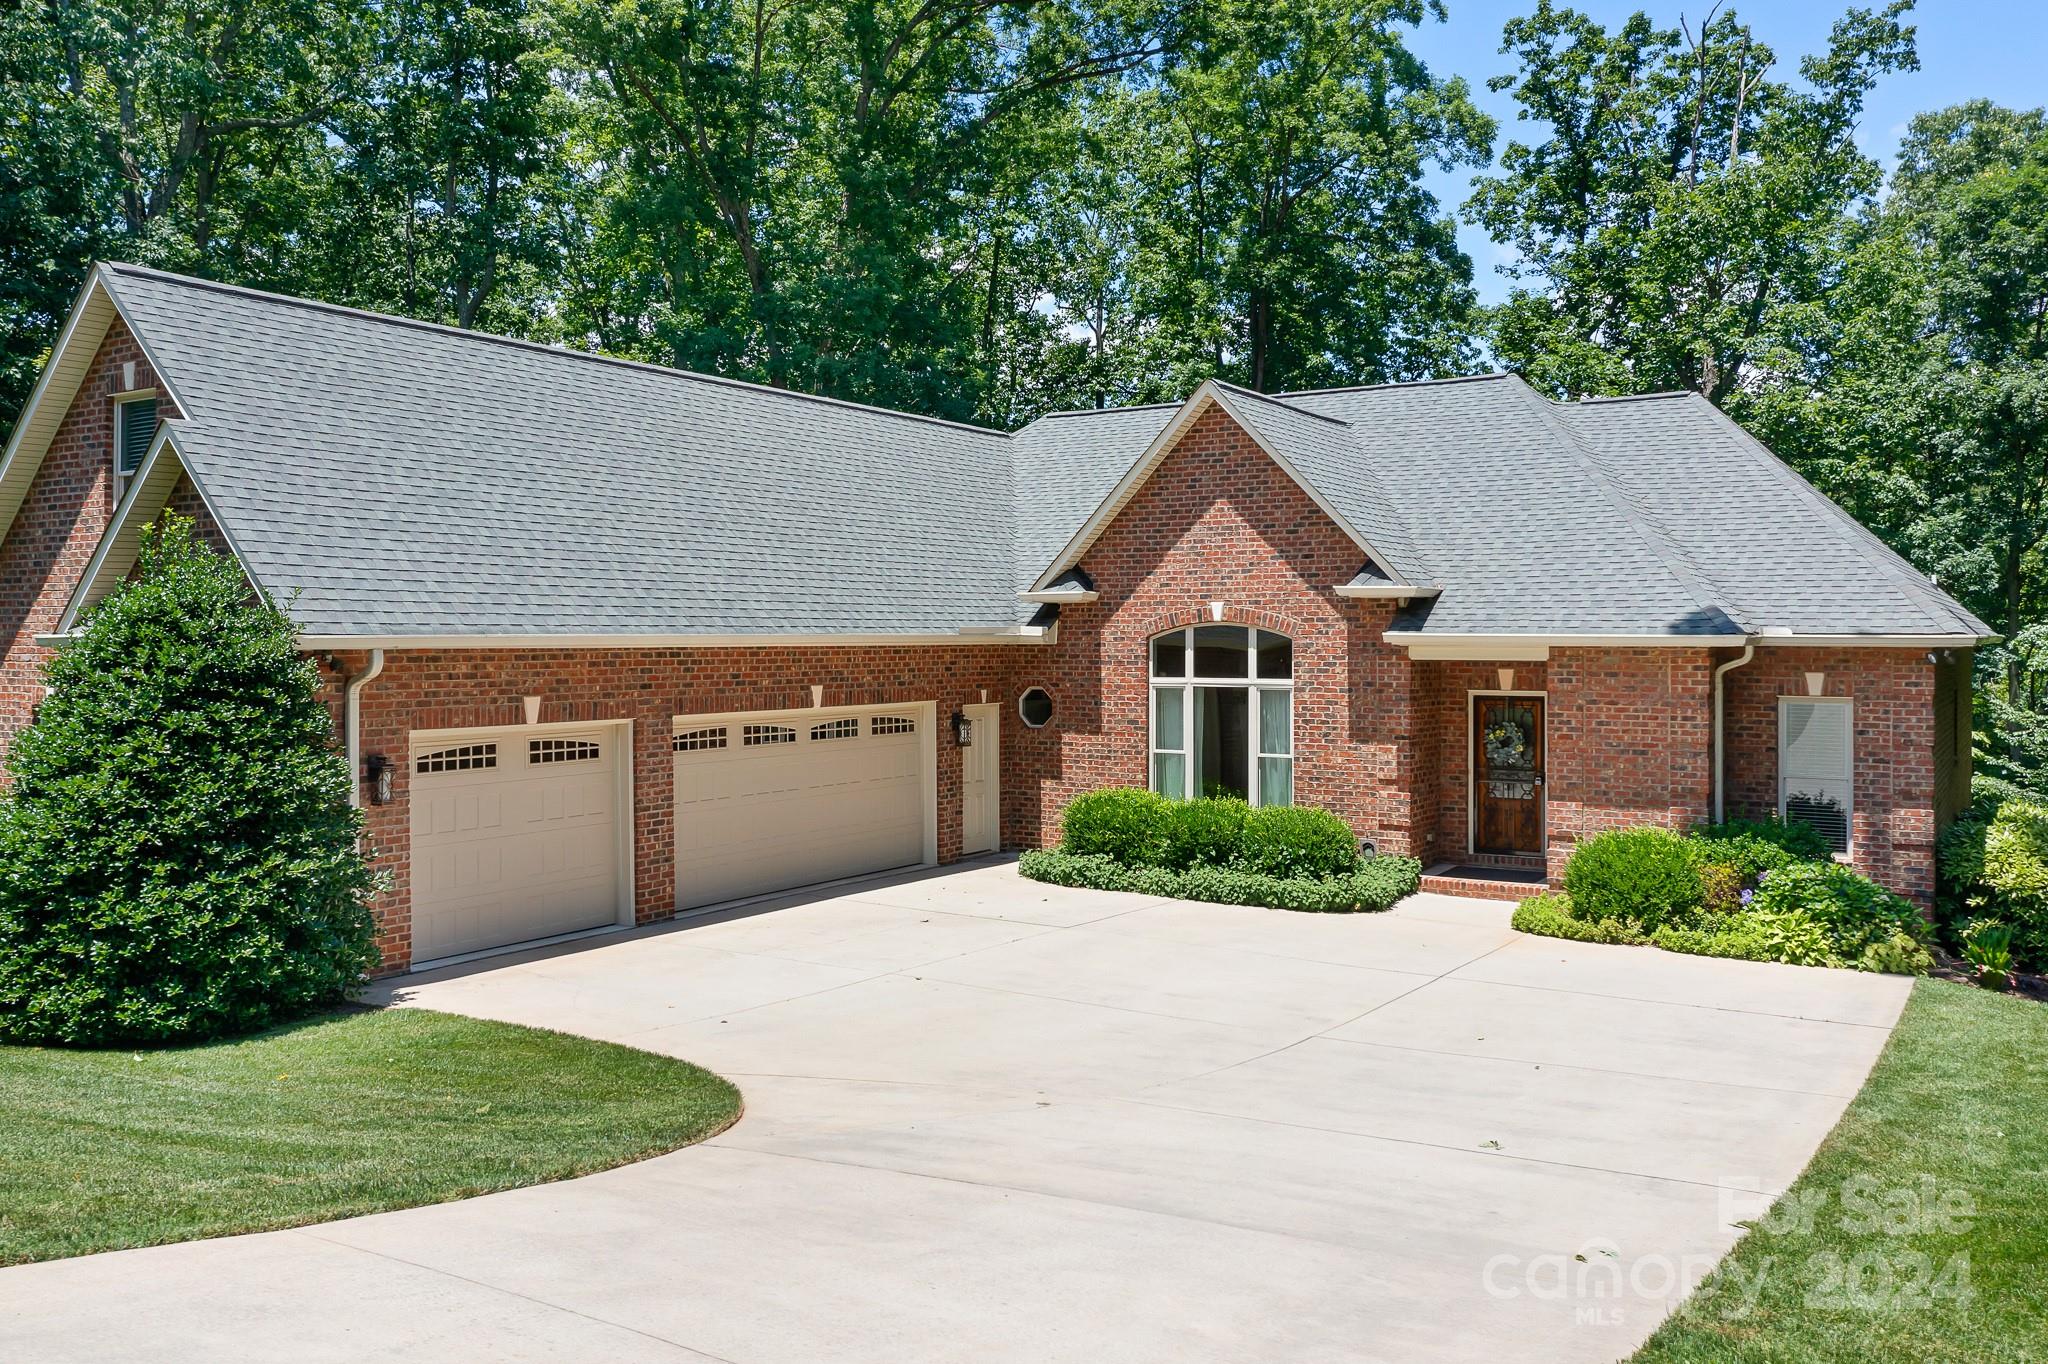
1815 767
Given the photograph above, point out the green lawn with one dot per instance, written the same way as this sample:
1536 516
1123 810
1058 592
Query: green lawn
1949 1257
347 1114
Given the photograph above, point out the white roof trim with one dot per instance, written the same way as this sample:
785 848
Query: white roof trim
1380 591
1632 641
57 388
92 312
149 490
1418 639
1055 595
1141 471
1959 640
993 634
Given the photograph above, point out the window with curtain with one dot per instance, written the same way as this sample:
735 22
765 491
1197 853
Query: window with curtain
1223 714
1816 766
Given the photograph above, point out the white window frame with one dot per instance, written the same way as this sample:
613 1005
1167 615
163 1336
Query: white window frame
122 402
1188 684
1847 706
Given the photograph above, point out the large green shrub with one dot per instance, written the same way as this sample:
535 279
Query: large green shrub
1296 840
1124 823
1646 874
178 856
2015 877
1203 832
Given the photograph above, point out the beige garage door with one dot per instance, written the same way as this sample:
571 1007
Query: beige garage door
767 802
515 836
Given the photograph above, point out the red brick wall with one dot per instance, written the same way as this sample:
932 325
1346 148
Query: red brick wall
59 524
1631 733
1219 521
1891 834
478 687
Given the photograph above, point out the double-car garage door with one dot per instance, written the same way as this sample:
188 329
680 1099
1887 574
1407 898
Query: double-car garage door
766 802
521 834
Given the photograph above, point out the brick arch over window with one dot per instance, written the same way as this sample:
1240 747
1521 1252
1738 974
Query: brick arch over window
1159 624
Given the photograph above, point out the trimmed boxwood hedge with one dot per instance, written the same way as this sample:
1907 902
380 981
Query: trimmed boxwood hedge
1222 851
1375 884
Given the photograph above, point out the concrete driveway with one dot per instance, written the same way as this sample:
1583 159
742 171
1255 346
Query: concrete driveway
989 1120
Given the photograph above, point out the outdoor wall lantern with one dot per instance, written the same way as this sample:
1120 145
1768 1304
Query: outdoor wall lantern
377 772
963 730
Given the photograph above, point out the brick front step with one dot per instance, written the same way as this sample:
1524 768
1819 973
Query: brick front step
1482 890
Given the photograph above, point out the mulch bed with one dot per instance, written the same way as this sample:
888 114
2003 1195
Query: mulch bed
2025 984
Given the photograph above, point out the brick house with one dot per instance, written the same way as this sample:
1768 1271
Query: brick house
606 641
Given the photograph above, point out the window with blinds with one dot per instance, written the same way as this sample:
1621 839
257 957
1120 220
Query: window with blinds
1816 768
134 426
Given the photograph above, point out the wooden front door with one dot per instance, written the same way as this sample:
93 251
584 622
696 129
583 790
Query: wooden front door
1507 774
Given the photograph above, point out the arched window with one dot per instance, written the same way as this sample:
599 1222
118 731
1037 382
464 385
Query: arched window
1223 713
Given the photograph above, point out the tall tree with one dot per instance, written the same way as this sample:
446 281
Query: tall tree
796 170
185 134
1284 237
1683 212
452 163
1926 408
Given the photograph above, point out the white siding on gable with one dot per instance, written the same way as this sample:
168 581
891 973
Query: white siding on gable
1816 765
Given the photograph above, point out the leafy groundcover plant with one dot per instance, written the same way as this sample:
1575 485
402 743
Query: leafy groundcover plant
1759 891
1222 851
178 856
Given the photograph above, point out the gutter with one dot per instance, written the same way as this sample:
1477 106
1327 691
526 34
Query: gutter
352 725
1720 743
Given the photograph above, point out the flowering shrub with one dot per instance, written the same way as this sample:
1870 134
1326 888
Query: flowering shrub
1757 899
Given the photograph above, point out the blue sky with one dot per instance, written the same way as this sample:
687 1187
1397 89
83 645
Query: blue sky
1968 49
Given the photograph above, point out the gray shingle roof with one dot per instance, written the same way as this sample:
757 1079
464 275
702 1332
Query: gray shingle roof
406 479
1526 533
1325 450
1780 553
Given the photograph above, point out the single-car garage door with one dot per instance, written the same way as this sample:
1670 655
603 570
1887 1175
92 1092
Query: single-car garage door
516 835
770 801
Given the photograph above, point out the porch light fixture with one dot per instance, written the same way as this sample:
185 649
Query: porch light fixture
377 773
963 730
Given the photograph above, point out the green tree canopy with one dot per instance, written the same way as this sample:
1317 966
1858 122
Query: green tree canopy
1680 218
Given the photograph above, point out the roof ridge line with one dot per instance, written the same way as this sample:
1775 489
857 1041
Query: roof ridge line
1705 592
1924 594
1590 399
1100 411
570 352
1252 393
1399 383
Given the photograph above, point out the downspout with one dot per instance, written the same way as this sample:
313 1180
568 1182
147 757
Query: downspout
352 724
1720 743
